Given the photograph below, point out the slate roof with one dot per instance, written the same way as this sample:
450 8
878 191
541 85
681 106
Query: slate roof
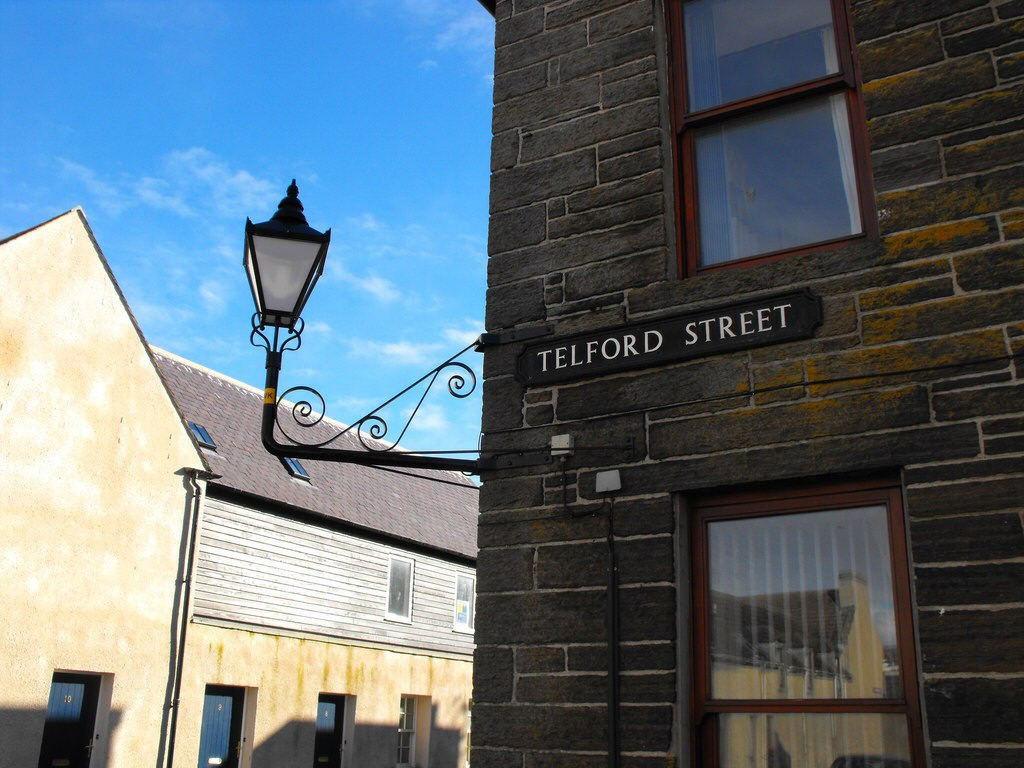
409 508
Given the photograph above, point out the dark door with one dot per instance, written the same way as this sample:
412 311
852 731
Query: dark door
70 719
330 724
220 740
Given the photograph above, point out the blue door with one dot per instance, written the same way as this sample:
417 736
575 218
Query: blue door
330 722
70 719
220 739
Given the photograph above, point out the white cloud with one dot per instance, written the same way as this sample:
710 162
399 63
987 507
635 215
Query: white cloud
382 289
106 195
214 296
472 31
464 336
396 352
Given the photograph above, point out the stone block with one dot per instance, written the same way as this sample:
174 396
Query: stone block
985 154
646 728
505 570
515 303
922 360
643 517
984 38
950 315
541 47
580 10
633 142
975 711
877 19
997 494
890 409
937 83
907 166
639 390
906 294
534 659
970 20
504 150
625 91
517 228
492 675
817 458
990 269
946 117
953 199
519 27
559 102
633 270
556 689
535 527
995 446
900 53
952 539
533 182
971 641
967 585
647 613
633 657
573 616
970 404
510 493
638 14
534 727
941 239
614 52
953 756
628 166
485 757
595 219
539 260
505 390
590 129
520 82
1010 66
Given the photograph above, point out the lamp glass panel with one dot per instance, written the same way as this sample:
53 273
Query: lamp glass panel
284 266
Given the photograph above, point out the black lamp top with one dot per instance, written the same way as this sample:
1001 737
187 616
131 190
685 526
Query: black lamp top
289 210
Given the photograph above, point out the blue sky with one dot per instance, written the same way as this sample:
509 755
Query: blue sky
170 122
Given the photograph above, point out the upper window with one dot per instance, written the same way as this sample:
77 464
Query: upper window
803 629
769 148
465 587
400 589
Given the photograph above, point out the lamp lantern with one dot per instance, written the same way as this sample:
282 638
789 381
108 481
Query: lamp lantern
284 257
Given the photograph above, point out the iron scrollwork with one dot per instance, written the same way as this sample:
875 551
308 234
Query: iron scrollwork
309 409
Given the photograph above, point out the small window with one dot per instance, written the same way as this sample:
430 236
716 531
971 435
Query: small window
400 589
295 469
465 587
771 149
407 731
202 436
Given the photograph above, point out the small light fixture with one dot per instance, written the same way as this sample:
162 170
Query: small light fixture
284 257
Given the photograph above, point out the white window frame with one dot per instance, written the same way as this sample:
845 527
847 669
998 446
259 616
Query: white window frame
457 625
388 614
406 727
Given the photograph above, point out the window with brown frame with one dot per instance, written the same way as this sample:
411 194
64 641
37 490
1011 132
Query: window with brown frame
771 145
802 630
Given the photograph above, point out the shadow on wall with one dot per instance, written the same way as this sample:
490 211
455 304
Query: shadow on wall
370 746
21 738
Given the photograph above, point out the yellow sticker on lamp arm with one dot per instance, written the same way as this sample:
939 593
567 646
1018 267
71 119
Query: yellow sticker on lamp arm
269 396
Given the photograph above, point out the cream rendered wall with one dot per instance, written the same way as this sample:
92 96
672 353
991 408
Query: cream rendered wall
92 498
287 674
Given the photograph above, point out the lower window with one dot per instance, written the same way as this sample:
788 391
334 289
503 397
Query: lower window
407 731
803 630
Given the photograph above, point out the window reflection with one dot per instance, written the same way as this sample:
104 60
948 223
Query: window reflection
801 607
776 181
813 740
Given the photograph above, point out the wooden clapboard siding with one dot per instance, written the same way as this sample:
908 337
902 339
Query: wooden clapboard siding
260 569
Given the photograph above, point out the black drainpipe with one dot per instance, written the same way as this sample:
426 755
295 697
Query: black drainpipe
613 645
186 580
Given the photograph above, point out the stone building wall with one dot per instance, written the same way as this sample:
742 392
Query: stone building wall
915 370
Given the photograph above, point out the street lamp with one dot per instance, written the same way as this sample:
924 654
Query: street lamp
284 258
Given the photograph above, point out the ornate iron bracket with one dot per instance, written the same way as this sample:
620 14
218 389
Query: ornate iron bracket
286 415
